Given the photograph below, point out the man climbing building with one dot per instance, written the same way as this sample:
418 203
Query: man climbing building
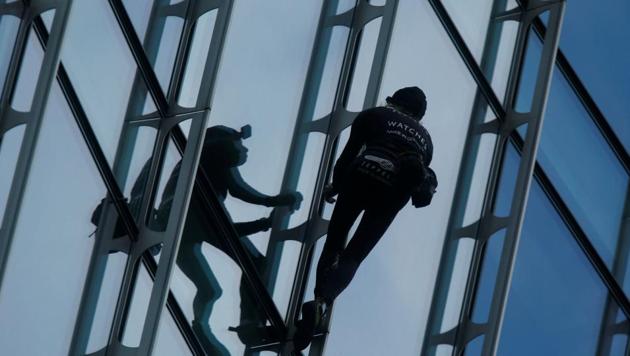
384 164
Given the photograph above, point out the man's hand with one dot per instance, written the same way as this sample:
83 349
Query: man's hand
292 200
329 193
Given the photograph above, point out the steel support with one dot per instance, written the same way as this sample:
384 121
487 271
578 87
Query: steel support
489 223
32 119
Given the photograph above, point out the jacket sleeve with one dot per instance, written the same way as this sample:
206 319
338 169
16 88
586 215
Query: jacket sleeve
358 137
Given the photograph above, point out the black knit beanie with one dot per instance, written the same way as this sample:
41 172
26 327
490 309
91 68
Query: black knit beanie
411 99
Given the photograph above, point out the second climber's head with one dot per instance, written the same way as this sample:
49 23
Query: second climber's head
410 100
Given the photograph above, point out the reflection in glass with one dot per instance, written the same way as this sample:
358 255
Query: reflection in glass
268 100
8 31
556 298
10 144
399 275
222 154
51 248
29 74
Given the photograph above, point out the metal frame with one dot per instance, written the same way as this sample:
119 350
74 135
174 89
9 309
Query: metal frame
489 223
332 124
32 119
171 116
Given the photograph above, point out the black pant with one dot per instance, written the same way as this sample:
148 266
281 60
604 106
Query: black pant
380 204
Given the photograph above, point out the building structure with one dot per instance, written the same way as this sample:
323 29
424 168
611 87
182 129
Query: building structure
523 252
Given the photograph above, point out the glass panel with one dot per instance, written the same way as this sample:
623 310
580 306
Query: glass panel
594 39
29 74
472 19
138 308
170 341
48 17
529 74
491 42
51 248
363 65
197 57
345 5
457 287
402 268
268 100
102 71
556 297
139 11
164 61
331 71
507 182
8 31
474 347
574 155
10 144
488 277
159 33
106 304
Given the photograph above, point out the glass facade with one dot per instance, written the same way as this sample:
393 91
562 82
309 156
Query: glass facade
162 165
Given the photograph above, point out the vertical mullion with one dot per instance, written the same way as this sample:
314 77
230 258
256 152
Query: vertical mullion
35 114
526 167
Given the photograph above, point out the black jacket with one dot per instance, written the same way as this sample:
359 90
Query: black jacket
384 129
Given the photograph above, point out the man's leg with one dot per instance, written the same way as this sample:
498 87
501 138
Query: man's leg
374 223
344 215
193 264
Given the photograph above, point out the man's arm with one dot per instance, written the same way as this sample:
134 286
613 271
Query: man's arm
358 133
239 189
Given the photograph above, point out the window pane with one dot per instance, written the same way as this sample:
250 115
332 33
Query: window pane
399 274
583 168
197 58
595 41
51 247
159 33
491 42
556 297
102 71
169 340
29 74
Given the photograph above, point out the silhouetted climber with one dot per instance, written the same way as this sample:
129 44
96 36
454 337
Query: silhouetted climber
383 165
223 152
